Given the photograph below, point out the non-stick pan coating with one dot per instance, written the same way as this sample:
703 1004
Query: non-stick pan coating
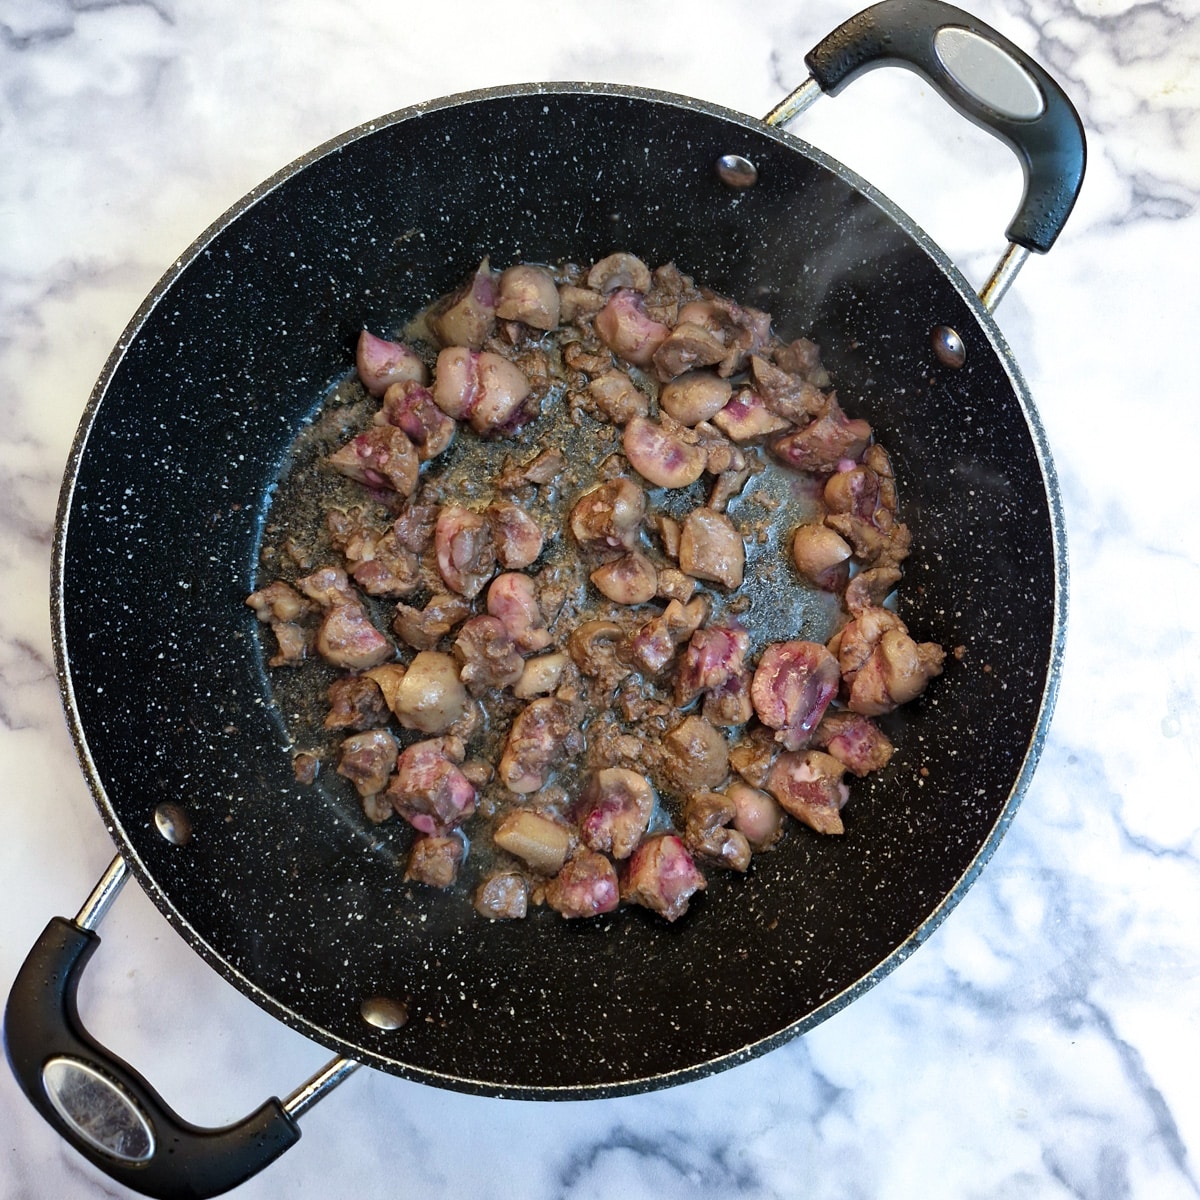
286 888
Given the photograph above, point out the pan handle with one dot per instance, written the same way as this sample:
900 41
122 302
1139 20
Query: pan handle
986 78
102 1106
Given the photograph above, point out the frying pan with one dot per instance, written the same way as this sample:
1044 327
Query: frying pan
286 889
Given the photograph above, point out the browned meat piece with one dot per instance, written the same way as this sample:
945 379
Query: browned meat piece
792 687
585 887
809 786
757 816
381 363
623 326
489 658
328 586
530 295
710 547
695 396
415 525
386 569
787 396
695 758
687 348
714 656
282 606
465 554
630 579
512 599
869 589
751 757
824 442
822 556
745 331
278 601
852 489
367 759
502 897
434 861
614 810
730 704
668 530
380 457
608 745
609 517
802 357
293 644
347 638
306 766
480 387
728 485
410 407
855 741
588 357
516 536
747 419
430 696
468 316
615 398
670 289
877 458
594 647
661 455
662 876
546 467
855 641
653 646
675 585
541 676
707 817
422 629
539 841
881 541
428 790
578 305
543 734
619 270
355 702
897 671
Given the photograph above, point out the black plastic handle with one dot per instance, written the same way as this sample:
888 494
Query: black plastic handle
965 60
132 1134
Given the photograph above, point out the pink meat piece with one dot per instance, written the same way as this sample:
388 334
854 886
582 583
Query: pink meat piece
623 326
428 790
516 536
663 876
792 686
381 457
614 811
809 786
824 442
382 363
465 555
855 741
585 887
512 598
714 656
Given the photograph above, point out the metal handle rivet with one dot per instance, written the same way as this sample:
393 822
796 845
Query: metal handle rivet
948 347
384 1013
736 172
173 823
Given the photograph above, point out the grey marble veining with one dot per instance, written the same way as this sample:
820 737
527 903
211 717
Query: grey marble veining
1042 1043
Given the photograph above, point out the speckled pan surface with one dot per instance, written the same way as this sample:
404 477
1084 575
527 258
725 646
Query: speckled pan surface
286 889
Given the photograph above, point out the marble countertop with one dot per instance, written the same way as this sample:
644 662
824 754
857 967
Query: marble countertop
1043 1042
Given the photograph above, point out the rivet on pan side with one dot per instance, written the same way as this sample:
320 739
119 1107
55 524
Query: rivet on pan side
384 1013
173 823
948 347
736 172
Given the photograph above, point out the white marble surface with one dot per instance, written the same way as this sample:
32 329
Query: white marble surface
1044 1042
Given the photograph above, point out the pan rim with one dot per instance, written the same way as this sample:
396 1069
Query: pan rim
900 953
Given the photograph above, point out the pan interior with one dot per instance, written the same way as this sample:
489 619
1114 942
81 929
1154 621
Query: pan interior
286 888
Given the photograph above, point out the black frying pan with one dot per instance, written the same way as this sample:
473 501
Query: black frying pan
286 889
